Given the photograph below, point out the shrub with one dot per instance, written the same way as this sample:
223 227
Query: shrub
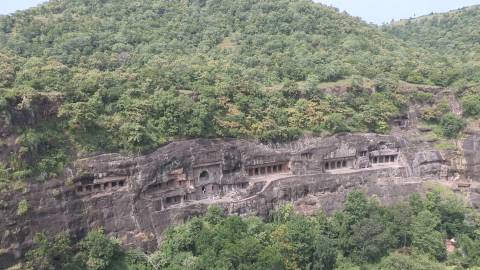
56 253
471 104
22 207
422 97
97 250
4 177
451 125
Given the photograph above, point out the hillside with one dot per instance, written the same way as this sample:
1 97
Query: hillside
455 34
130 76
237 134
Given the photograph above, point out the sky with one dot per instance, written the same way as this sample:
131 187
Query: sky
9 6
376 11
380 11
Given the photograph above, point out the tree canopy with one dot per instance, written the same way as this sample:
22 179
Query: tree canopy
119 75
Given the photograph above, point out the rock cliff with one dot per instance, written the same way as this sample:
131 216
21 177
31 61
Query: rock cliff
137 197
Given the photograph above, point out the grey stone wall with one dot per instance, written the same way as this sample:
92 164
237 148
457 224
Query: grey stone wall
164 187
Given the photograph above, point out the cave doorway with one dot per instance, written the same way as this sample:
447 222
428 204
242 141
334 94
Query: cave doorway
204 176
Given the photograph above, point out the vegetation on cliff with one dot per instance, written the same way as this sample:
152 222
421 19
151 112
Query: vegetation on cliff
92 76
364 235
455 34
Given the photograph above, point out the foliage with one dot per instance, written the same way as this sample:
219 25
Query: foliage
471 102
426 238
131 76
50 254
399 261
4 177
97 251
454 35
451 125
22 207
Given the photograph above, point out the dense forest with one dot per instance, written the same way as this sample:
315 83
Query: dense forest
455 33
129 76
365 235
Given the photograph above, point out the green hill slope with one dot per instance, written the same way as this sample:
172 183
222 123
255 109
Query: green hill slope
108 75
455 34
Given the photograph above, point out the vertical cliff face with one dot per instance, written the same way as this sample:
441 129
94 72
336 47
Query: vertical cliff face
137 197
471 148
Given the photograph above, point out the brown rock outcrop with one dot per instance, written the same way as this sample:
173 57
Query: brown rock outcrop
137 197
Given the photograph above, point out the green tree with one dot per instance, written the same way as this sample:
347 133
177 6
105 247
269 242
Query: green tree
356 207
8 66
214 214
97 251
451 125
50 254
471 104
399 261
471 250
425 236
370 240
324 256
403 216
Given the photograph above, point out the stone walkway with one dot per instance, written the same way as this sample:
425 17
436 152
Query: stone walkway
373 168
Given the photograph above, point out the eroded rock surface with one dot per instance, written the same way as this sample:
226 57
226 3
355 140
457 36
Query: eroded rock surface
137 197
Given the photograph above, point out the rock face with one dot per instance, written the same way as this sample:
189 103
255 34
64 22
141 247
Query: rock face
137 197
471 150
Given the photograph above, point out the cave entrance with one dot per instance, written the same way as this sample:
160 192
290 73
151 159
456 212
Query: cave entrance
204 176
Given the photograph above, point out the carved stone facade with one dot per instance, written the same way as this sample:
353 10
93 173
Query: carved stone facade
137 197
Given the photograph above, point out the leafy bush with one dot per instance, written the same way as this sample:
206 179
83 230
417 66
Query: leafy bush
471 104
451 125
22 207
97 251
399 261
50 254
4 177
422 97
